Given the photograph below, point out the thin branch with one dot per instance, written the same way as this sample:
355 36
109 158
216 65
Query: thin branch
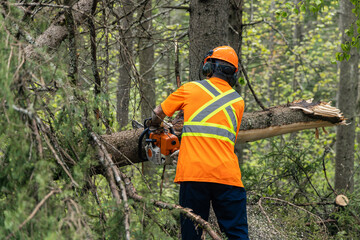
38 139
294 205
61 163
33 213
47 5
253 23
112 184
267 216
250 87
32 115
177 7
327 150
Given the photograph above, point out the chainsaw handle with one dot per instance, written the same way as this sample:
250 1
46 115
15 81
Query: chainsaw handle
172 130
140 147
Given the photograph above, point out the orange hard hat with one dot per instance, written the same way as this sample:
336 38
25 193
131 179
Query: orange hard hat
225 53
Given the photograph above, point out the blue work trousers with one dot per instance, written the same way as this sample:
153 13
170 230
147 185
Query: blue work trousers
229 204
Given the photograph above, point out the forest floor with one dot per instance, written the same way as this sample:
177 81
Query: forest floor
259 226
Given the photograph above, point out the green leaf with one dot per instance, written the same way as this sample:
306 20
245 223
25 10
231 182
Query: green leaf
303 8
242 81
313 8
338 56
347 56
349 32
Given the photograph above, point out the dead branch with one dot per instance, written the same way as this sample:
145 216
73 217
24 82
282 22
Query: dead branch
107 162
267 216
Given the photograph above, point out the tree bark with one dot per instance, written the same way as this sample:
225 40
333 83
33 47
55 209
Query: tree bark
208 29
123 146
347 95
146 61
126 48
296 42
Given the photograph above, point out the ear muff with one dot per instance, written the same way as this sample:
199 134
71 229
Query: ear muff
235 78
207 67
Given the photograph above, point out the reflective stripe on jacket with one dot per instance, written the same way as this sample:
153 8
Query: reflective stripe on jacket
197 125
212 118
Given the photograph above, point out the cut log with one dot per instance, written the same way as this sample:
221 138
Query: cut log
292 117
341 200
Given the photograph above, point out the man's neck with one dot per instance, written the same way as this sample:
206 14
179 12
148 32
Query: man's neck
222 76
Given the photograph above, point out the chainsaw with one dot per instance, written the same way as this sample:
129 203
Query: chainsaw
161 145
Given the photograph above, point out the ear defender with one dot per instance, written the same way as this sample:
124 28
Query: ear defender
208 68
235 77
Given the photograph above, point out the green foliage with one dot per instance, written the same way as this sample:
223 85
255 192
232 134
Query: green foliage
293 170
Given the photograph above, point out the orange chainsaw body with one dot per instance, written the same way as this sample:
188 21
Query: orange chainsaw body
167 142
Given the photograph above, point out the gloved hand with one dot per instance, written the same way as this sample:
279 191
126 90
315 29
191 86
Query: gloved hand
151 125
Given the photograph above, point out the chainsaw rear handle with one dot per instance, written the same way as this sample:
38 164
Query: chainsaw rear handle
147 133
171 129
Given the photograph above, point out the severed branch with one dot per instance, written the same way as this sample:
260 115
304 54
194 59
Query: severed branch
283 119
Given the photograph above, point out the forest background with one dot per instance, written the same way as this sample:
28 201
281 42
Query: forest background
74 70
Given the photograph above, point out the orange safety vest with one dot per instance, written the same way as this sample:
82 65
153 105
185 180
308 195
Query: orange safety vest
212 118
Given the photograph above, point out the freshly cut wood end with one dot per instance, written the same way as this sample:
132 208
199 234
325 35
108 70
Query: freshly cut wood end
322 109
341 200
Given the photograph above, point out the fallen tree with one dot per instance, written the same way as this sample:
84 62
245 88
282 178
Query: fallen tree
58 30
292 117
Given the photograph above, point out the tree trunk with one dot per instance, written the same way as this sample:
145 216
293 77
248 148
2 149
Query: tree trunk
208 29
124 81
235 32
296 42
235 25
235 39
146 61
347 96
270 71
123 146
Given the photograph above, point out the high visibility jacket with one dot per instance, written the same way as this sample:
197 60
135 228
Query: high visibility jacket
212 118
